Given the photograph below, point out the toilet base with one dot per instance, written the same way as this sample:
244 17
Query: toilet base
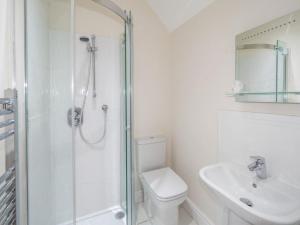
163 211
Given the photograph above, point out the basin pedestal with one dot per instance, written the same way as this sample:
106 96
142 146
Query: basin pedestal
230 218
233 219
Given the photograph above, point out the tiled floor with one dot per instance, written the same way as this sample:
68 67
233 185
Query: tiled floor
184 217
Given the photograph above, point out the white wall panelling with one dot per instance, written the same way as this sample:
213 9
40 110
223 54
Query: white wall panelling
98 167
274 137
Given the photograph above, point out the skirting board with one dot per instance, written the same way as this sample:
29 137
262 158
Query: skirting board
196 213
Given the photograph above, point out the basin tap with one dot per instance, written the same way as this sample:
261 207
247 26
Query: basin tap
259 166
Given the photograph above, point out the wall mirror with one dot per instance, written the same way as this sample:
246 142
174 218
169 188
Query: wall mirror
268 62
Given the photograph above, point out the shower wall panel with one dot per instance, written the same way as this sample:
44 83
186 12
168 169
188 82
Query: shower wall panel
98 167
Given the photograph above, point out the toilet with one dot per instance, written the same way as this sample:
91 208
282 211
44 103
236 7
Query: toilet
163 189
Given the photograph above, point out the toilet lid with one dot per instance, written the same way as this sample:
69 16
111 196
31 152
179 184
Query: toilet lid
165 183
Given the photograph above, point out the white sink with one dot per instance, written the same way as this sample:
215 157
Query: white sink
274 201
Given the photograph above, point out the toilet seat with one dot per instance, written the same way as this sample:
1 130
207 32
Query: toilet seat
165 184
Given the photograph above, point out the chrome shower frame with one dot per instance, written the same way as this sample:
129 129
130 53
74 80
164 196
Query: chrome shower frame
114 8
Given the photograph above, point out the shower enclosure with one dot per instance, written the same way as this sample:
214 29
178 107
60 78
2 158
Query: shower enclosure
79 113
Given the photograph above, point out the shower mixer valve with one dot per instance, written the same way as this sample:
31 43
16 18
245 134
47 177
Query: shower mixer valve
74 117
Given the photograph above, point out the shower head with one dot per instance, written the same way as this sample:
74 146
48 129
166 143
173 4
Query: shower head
84 39
87 41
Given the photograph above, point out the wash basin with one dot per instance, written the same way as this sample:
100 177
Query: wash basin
261 202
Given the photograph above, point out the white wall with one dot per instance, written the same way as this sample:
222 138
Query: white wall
203 70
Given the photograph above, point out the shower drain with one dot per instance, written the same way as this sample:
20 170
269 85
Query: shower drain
119 215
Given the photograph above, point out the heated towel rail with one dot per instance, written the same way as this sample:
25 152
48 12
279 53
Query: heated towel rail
8 126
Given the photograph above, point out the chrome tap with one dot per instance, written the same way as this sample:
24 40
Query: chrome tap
259 166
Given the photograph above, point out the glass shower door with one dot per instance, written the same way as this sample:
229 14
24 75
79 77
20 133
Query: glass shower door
48 98
71 181
102 81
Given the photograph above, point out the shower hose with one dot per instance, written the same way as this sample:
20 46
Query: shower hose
104 109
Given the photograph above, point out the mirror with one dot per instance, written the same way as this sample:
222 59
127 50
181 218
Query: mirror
268 62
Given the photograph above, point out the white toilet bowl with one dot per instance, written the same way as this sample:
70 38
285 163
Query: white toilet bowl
164 191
